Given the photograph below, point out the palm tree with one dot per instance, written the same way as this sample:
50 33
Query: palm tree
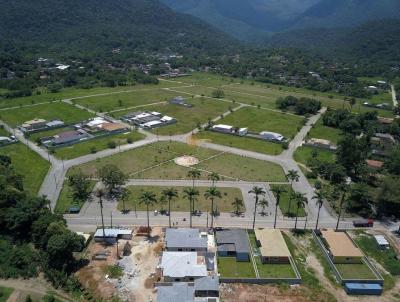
352 102
169 194
256 191
191 195
292 175
100 193
124 196
148 198
238 204
301 200
319 197
214 177
277 192
211 194
264 204
343 189
194 174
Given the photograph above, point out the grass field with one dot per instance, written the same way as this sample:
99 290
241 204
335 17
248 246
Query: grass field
270 270
67 113
284 203
228 267
304 154
4 132
323 132
27 163
386 257
245 143
65 200
96 144
181 204
5 292
156 161
355 271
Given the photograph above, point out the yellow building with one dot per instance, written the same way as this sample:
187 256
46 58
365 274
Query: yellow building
272 246
341 247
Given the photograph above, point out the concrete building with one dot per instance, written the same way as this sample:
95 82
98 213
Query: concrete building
222 128
243 131
180 101
341 248
34 124
68 137
185 240
381 241
321 143
206 287
112 235
182 266
148 120
272 136
233 243
272 246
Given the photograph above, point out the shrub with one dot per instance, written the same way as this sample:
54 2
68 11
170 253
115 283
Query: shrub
93 150
112 145
129 140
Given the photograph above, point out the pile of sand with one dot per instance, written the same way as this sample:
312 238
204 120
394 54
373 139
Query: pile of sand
186 161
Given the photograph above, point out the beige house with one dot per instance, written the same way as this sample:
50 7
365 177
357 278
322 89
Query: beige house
341 247
272 246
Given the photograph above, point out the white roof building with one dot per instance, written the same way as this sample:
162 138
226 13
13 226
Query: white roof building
167 118
272 135
182 265
95 122
222 127
4 139
152 124
381 240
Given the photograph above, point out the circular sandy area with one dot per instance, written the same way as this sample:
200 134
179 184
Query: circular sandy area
186 161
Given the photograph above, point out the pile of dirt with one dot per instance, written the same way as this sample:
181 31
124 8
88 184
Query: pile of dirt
186 161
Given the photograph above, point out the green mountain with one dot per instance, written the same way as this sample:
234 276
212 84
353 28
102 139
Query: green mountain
93 26
257 19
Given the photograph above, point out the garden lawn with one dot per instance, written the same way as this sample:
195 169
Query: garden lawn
5 293
228 267
258 120
29 164
303 155
386 257
355 271
284 203
65 200
181 204
324 132
189 118
246 143
95 145
67 113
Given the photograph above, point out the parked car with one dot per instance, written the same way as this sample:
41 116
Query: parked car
363 223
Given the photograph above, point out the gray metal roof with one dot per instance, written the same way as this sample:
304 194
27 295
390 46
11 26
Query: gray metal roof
178 292
229 239
184 238
207 284
112 232
182 264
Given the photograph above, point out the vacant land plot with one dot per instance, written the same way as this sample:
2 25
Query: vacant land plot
96 144
4 132
386 257
323 132
258 120
288 207
30 165
181 204
123 101
228 267
270 270
66 113
189 118
65 201
355 271
304 154
5 292
246 143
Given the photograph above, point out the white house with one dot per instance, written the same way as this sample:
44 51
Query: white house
381 241
243 131
182 267
272 136
223 128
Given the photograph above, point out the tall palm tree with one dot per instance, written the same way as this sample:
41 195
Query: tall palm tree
301 200
100 193
342 189
191 195
169 194
238 204
214 177
264 204
148 198
124 196
194 174
293 176
319 201
277 192
211 194
257 191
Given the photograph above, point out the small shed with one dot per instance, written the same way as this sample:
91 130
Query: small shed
363 289
112 235
382 242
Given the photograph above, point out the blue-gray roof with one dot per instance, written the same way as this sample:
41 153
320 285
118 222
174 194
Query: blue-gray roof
232 240
207 284
184 238
178 292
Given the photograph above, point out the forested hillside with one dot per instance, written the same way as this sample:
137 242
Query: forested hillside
93 26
